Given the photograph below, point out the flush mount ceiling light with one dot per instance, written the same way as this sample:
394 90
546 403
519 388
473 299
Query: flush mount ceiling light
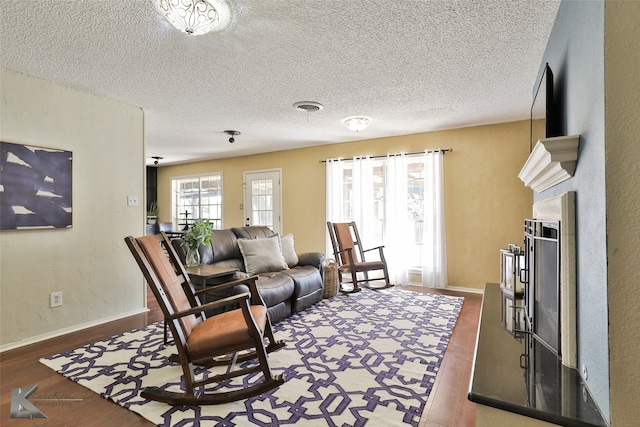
194 17
356 123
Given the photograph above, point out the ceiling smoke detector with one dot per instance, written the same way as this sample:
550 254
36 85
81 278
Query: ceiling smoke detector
308 106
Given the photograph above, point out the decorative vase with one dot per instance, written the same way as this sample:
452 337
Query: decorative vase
193 257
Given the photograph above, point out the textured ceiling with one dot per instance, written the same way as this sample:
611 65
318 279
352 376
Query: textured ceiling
412 66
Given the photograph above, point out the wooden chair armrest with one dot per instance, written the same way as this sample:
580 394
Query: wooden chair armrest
349 252
373 249
217 287
255 295
250 282
211 305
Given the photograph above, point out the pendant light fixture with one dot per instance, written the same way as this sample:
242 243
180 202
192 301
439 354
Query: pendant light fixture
233 134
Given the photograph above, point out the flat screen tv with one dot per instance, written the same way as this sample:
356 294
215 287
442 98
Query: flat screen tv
543 106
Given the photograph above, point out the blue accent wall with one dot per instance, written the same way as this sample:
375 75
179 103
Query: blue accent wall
575 53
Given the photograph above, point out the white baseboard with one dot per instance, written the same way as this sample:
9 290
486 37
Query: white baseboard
64 331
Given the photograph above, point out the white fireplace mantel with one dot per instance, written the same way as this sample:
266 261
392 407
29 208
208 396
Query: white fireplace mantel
552 161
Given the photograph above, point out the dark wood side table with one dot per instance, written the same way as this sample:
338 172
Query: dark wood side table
213 275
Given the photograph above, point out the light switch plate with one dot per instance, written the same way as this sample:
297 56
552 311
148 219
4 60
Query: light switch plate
132 201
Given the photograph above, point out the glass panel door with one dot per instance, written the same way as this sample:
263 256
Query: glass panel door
262 199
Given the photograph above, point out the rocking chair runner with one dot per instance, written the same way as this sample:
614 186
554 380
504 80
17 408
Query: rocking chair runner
199 339
345 238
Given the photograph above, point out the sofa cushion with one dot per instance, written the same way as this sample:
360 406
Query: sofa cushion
280 311
253 232
262 255
275 289
223 247
306 278
288 250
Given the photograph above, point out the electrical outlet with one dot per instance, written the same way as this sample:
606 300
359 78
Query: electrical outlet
55 299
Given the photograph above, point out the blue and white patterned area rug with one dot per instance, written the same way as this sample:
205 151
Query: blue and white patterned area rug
368 358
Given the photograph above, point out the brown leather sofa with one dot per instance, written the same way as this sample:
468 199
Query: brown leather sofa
285 292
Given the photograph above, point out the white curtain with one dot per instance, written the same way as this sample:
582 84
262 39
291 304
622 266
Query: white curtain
334 196
396 227
362 198
358 203
398 223
434 253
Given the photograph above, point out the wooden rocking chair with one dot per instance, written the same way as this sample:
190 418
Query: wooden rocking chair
351 262
202 341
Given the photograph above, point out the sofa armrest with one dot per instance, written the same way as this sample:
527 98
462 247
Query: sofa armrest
315 259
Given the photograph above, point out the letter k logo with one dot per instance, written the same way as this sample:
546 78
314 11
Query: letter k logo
21 407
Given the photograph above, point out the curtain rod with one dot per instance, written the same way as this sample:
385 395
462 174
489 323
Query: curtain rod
442 150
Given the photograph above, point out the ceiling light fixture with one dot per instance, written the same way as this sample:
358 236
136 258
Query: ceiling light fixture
356 123
232 133
194 17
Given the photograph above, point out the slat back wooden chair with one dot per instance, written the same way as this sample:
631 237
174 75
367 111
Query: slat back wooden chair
224 339
351 259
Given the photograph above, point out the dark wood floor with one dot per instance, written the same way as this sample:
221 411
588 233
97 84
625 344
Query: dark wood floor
447 404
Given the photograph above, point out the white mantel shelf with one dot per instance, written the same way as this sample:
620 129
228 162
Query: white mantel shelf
552 161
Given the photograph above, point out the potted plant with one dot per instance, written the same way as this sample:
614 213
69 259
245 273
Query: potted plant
199 233
152 213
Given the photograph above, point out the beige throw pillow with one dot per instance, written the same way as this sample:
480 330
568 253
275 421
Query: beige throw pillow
262 255
288 250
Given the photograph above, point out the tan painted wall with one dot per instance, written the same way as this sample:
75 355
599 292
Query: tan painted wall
622 128
485 201
89 263
486 416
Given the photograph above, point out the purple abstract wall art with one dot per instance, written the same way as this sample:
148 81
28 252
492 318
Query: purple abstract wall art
35 187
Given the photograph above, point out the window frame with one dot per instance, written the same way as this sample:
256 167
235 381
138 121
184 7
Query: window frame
179 222
415 204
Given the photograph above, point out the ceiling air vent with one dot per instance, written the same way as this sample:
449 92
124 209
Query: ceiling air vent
308 106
